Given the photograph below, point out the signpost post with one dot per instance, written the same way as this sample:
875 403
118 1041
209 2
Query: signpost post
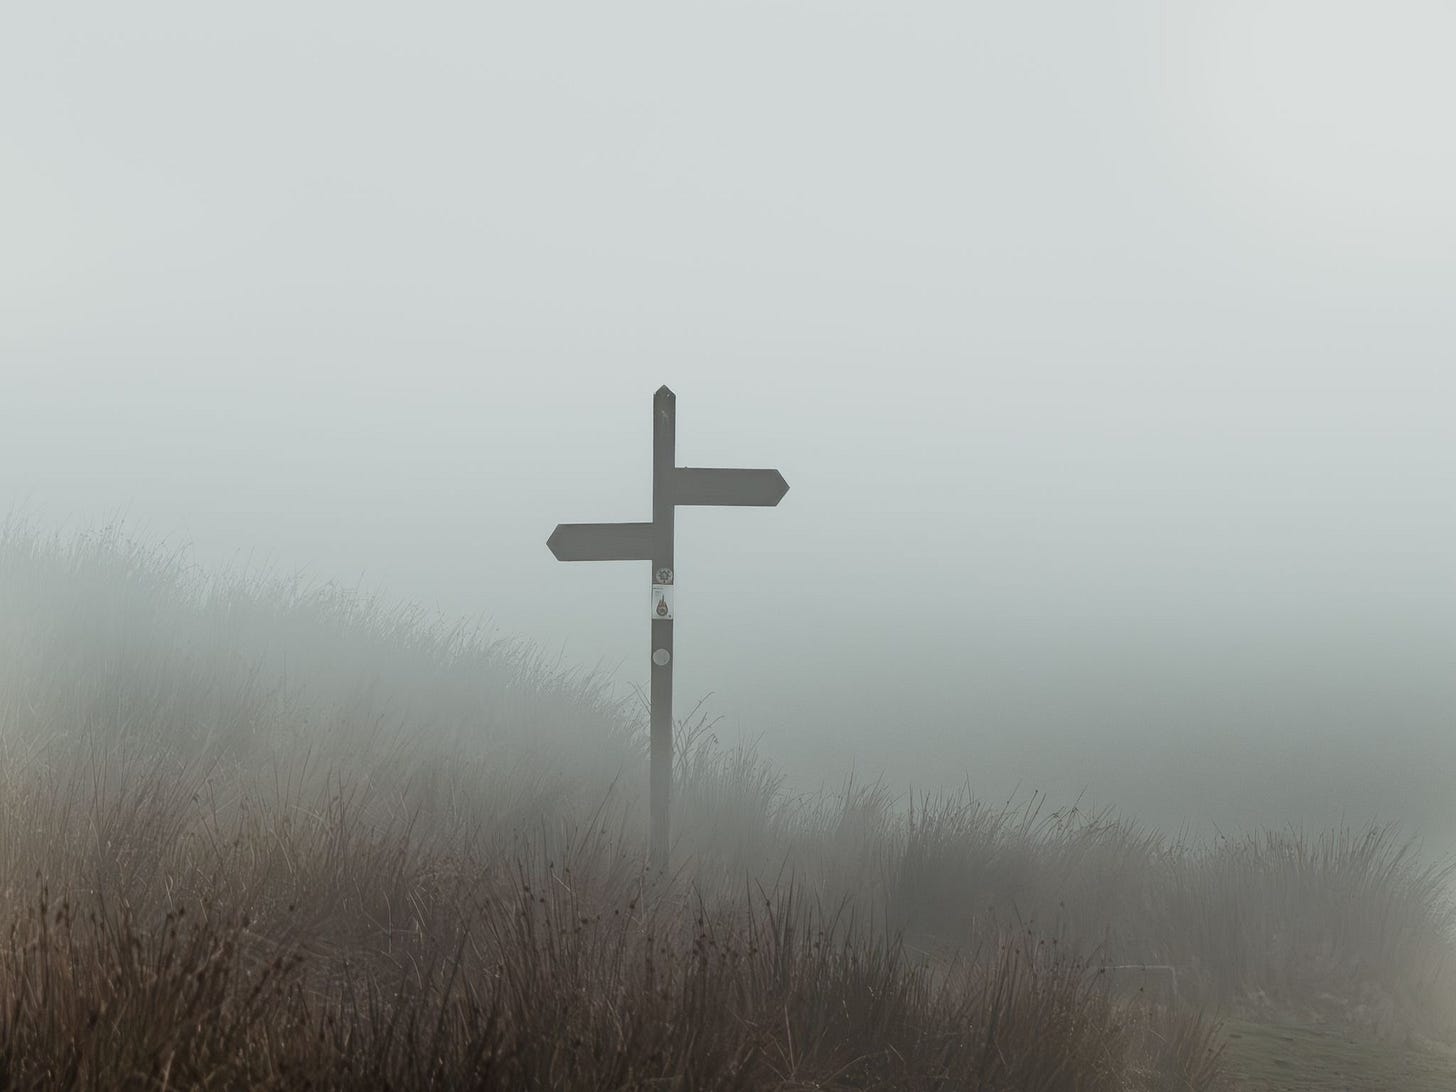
672 485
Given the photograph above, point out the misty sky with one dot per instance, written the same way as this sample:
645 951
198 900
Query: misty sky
1107 349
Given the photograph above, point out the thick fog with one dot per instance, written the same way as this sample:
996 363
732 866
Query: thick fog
1107 350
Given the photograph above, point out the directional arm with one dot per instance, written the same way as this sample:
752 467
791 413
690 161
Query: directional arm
601 542
727 486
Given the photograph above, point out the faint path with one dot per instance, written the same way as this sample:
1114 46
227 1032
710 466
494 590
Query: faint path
1291 1058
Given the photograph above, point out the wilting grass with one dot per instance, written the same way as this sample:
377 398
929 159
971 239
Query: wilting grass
254 835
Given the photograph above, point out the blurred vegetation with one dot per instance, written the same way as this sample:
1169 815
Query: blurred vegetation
255 833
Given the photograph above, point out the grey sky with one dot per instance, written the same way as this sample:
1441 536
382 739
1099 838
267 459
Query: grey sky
1107 350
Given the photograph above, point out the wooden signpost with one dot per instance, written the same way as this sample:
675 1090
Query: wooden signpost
672 485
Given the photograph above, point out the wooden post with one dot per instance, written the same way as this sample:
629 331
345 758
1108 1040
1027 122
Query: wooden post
664 444
672 485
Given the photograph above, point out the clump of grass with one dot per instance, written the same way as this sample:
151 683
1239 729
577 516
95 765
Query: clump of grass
1343 924
101 1001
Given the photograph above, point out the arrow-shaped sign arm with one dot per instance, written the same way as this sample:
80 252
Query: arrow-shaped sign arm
601 542
719 485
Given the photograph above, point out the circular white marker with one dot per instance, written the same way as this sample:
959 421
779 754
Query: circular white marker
661 657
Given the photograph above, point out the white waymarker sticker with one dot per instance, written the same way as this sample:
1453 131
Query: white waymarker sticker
662 601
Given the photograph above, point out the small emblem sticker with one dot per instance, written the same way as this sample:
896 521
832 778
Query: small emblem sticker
661 601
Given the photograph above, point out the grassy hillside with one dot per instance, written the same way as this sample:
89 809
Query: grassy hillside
257 834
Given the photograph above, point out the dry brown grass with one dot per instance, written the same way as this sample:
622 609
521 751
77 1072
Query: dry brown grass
254 835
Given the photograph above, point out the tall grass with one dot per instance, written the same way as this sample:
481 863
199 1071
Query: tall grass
259 834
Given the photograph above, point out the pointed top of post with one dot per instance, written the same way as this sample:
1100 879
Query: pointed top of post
664 392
